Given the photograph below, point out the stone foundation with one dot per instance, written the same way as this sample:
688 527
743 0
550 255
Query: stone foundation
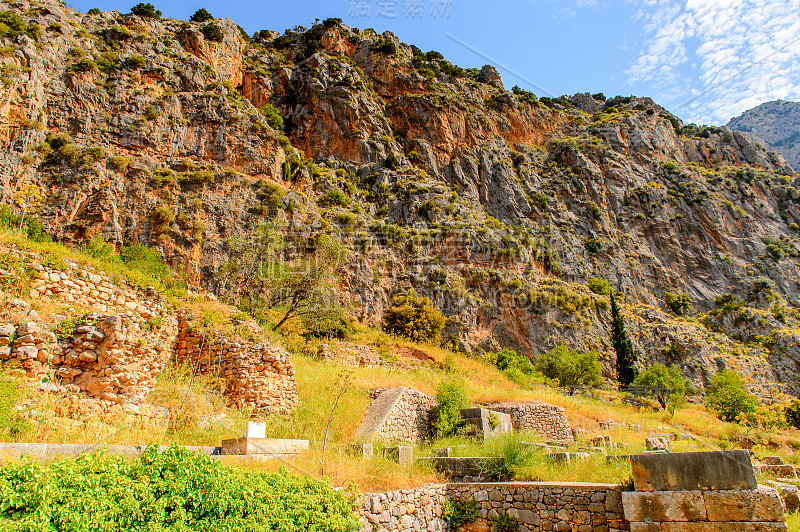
536 506
399 414
548 420
256 375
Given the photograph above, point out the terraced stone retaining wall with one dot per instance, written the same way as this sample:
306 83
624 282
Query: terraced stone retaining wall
537 506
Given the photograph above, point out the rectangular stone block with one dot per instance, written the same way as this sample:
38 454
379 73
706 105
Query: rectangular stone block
724 527
646 527
255 429
263 446
402 454
715 470
663 506
362 450
761 504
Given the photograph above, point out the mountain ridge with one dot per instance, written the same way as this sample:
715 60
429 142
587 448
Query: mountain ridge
497 205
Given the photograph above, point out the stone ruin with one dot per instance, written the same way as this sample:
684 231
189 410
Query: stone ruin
400 415
549 421
680 492
405 415
705 491
112 356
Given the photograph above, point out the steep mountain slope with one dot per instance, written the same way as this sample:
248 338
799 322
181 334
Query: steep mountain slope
497 205
774 124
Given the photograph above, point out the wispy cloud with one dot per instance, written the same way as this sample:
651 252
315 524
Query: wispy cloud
711 60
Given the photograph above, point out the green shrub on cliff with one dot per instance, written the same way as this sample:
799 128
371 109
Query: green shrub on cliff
414 317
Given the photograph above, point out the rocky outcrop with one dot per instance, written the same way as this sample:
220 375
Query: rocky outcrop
497 205
774 124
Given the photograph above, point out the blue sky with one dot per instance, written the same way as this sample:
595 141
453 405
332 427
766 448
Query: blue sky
705 60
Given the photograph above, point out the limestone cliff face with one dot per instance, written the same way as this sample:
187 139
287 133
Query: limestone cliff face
774 124
497 205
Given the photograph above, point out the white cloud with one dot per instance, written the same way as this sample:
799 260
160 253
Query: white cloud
711 60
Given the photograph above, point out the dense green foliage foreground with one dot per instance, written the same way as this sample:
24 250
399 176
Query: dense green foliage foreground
175 490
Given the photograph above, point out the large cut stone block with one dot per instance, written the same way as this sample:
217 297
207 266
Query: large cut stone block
762 504
483 422
716 470
267 446
662 506
402 454
646 527
722 527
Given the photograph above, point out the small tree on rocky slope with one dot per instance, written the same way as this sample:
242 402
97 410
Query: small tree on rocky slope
263 276
626 357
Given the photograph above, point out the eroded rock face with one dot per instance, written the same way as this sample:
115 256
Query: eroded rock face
496 205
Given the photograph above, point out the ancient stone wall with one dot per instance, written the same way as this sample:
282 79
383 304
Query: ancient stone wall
113 354
759 509
83 287
113 358
537 506
399 415
548 420
410 510
256 375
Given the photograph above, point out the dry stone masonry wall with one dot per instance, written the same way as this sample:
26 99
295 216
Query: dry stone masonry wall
548 420
400 415
574 507
256 375
413 510
113 353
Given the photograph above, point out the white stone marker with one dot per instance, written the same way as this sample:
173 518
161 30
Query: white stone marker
255 429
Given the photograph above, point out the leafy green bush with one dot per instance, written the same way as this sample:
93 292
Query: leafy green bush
84 65
171 490
136 62
680 304
570 368
727 398
93 11
12 25
212 32
667 385
451 398
458 513
414 317
599 286
334 198
34 229
201 15
392 162
145 11
793 414
273 117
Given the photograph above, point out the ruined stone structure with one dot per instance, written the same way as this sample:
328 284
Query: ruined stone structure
399 414
535 505
113 355
708 491
548 420
258 375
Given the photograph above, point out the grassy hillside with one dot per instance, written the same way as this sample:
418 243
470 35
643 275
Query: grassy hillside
201 416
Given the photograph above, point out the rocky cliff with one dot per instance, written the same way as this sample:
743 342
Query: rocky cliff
776 125
496 204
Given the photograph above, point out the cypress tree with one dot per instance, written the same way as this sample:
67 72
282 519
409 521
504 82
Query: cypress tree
626 358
